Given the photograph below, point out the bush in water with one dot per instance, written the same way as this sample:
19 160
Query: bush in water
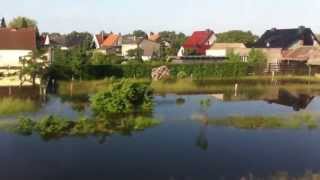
25 126
123 97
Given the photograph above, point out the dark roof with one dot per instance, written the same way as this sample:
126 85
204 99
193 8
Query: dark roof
284 38
21 39
131 39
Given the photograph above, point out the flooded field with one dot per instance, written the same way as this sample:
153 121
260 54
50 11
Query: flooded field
254 132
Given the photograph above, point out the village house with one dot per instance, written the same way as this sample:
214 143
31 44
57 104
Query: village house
155 37
15 44
197 43
276 42
221 50
108 43
150 48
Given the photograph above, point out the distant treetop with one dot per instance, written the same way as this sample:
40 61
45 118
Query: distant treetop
22 22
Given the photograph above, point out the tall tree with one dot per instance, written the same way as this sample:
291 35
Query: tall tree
175 40
34 65
22 22
139 33
3 23
237 36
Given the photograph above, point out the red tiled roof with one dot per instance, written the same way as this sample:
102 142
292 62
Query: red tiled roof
111 40
100 38
21 39
198 41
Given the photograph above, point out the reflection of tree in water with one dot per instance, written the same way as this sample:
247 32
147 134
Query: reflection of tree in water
78 102
297 101
54 128
180 101
202 140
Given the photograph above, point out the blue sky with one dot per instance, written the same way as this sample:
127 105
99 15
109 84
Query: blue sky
155 15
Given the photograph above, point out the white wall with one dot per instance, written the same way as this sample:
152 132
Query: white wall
216 52
212 39
181 52
128 47
11 57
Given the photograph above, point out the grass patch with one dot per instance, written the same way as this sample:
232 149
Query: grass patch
11 106
296 121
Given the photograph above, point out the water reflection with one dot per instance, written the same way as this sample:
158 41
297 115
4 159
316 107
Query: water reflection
297 101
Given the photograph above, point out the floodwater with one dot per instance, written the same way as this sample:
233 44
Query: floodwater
183 147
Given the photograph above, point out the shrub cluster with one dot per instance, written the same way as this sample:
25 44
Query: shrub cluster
223 69
53 127
123 97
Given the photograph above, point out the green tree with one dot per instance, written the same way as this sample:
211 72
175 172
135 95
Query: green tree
79 39
175 40
136 53
3 23
233 57
139 33
237 36
34 66
22 22
257 56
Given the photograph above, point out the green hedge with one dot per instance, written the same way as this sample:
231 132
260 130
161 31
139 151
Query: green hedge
225 69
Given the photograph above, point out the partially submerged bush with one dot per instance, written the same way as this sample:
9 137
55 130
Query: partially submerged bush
123 97
25 126
53 127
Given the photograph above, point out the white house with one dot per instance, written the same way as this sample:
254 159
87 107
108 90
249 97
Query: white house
15 44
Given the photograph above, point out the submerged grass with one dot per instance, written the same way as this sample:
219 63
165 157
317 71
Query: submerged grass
302 120
11 106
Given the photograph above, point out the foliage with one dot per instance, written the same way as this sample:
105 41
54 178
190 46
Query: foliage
33 65
267 122
135 53
22 22
63 70
139 33
123 97
10 106
233 57
54 127
257 56
69 63
175 40
25 126
3 23
182 75
237 36
99 58
81 40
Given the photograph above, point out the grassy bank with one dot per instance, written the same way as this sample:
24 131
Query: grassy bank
207 85
10 106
